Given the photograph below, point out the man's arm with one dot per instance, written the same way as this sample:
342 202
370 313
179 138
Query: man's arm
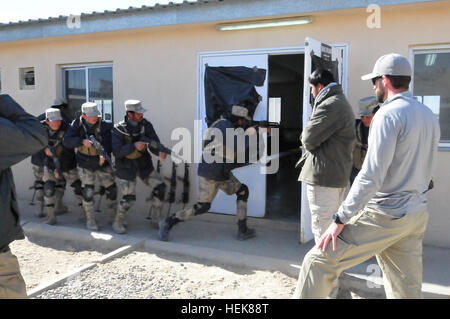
382 144
322 125
120 149
71 138
21 134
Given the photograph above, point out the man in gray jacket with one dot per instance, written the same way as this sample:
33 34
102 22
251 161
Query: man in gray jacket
21 135
328 139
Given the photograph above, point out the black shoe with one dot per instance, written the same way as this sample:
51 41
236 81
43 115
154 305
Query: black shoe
244 232
165 225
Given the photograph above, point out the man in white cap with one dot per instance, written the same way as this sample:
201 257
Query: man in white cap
218 174
91 164
385 213
129 145
368 106
58 160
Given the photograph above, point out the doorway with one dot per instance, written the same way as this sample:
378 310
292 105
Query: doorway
285 104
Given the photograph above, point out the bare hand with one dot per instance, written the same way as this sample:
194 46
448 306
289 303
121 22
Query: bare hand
56 174
102 160
330 234
162 156
140 146
87 143
251 130
48 152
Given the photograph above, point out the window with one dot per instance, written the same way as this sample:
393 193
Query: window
27 78
93 83
275 109
431 82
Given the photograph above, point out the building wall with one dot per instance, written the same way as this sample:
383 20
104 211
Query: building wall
159 66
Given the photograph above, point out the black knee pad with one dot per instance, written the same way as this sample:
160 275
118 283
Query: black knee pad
111 192
201 208
88 193
243 193
127 201
77 188
49 188
38 185
159 191
61 184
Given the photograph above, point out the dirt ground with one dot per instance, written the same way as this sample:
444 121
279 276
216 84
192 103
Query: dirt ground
40 264
146 275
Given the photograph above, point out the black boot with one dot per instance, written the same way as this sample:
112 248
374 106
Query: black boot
244 232
165 225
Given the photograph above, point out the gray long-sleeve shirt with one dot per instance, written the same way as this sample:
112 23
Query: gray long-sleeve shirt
400 161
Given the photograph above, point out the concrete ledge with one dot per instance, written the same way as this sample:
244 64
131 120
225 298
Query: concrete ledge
287 267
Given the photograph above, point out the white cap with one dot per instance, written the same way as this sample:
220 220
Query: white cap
367 105
53 114
90 109
240 111
390 64
134 106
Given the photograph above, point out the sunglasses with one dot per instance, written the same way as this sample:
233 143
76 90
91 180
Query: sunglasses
374 80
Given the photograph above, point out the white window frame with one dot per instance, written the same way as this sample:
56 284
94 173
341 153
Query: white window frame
428 50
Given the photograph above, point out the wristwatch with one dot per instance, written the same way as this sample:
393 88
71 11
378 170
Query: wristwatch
336 219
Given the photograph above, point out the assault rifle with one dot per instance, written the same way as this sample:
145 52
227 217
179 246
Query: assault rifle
173 186
186 183
56 161
160 147
158 169
101 150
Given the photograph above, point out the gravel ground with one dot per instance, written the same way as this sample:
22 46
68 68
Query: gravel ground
143 275
40 264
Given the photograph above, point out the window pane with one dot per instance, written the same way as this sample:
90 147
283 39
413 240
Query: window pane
431 86
101 90
75 91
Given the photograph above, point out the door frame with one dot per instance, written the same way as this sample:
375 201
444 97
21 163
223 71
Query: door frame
268 51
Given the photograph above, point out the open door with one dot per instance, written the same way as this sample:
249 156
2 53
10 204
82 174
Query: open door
317 54
250 174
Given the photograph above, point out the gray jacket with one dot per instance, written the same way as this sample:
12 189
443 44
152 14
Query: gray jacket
21 135
328 139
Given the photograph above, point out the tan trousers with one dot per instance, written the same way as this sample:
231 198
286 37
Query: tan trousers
323 203
12 285
396 243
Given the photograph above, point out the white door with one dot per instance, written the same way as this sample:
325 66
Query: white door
251 174
327 52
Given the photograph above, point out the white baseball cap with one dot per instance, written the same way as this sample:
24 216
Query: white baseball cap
90 109
390 64
53 114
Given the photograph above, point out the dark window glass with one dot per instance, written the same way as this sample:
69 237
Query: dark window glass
75 92
431 86
101 90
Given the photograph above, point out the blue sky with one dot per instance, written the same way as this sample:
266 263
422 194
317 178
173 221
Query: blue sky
15 10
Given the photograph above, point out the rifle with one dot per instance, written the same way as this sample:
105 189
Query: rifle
34 194
101 150
186 183
265 124
173 186
56 161
158 169
100 192
160 147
